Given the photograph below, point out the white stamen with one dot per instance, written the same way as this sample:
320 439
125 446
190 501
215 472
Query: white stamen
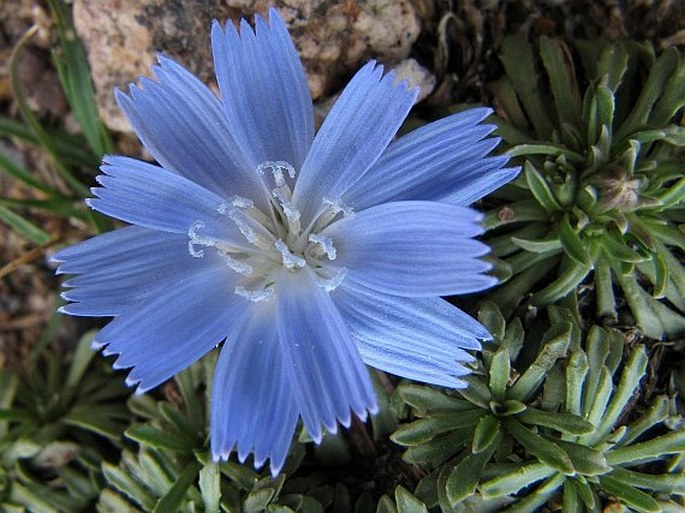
290 261
277 167
332 283
241 202
255 295
326 244
291 213
235 264
336 206
198 240
237 217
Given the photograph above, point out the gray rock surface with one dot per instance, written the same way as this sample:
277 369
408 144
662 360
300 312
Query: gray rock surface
333 38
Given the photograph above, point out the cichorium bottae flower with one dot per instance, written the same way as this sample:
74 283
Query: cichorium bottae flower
307 255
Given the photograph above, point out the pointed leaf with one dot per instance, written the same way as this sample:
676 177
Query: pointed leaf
407 503
540 189
629 495
518 60
546 451
511 482
499 372
423 430
571 242
558 339
210 487
562 422
558 62
464 477
486 434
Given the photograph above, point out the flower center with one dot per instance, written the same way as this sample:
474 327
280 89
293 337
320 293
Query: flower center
276 239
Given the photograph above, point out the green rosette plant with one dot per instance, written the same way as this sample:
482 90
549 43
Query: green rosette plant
166 464
565 429
598 130
58 423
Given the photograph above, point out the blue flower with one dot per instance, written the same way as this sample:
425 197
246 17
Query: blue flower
310 255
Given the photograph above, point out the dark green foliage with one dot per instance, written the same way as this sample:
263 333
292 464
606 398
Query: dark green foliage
600 198
57 424
563 427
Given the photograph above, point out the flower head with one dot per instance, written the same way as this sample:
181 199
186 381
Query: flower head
309 256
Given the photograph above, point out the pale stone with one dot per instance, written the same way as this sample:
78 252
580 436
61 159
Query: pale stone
334 38
417 75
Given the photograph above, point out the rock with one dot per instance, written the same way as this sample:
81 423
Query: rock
334 38
417 75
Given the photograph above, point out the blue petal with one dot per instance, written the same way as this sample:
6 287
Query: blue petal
125 266
416 338
150 196
182 124
358 129
252 404
413 248
162 335
264 91
443 161
326 373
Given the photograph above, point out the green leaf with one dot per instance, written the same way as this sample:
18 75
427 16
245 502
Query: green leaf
620 251
596 404
464 477
571 242
157 438
546 451
17 172
385 505
72 66
516 212
512 482
491 317
666 483
558 62
562 422
633 372
524 150
423 430
557 341
499 372
31 120
438 450
23 227
33 499
173 498
427 398
586 460
672 443
110 502
407 503
538 498
571 503
630 496
673 98
660 72
518 60
127 485
540 189
476 392
210 487
571 276
538 246
576 371
486 433
258 500
658 411
612 65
